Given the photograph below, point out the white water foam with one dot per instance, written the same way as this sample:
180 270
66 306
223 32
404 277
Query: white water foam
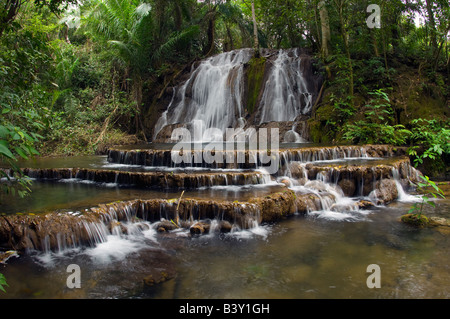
115 248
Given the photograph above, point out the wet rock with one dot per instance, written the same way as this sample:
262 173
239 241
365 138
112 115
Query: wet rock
157 277
296 169
4 256
439 221
385 192
415 220
150 179
199 228
286 182
165 226
116 226
365 204
225 226
305 203
348 187
441 224
275 206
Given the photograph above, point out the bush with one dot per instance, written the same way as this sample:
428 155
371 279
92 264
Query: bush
375 127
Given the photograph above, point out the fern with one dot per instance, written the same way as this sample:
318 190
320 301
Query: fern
3 283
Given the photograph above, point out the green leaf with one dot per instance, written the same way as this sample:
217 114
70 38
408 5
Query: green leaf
20 152
4 150
3 283
32 150
4 132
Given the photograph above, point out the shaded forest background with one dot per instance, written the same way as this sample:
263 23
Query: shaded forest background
77 76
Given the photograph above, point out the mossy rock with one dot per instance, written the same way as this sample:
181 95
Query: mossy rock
415 220
255 74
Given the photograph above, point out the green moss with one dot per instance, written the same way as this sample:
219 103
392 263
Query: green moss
415 220
255 76
318 132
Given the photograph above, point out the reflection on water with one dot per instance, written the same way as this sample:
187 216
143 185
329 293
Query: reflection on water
302 257
48 196
306 257
319 255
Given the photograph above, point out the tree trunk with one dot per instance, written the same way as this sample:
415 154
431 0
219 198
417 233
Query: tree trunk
344 35
159 9
178 16
325 26
432 22
230 37
255 31
8 12
211 35
137 96
374 43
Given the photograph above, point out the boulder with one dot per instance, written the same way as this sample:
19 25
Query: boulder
385 192
348 187
225 226
439 221
415 220
200 228
365 204
165 226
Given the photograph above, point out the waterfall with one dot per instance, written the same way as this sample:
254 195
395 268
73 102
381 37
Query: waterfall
285 94
402 195
213 97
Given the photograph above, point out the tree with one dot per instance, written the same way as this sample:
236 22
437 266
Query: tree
325 28
10 9
340 6
25 61
132 32
431 20
255 31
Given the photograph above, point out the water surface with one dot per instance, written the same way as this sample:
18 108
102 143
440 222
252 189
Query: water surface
318 255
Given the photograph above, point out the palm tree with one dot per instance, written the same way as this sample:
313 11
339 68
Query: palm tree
130 27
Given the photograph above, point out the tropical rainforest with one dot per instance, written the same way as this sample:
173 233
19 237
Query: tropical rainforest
80 76
77 76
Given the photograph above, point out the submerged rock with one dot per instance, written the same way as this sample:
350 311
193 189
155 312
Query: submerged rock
439 223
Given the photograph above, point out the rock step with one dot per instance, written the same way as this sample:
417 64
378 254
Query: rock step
167 180
355 179
246 159
58 230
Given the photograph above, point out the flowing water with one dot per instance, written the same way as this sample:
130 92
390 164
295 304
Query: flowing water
117 217
213 97
322 254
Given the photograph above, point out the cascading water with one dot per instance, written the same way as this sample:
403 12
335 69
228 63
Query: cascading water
213 96
285 94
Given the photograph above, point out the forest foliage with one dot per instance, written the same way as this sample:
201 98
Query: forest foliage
74 74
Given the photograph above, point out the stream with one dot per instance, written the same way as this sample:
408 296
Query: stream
321 254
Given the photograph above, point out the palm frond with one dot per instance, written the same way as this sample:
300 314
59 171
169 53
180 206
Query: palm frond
176 39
